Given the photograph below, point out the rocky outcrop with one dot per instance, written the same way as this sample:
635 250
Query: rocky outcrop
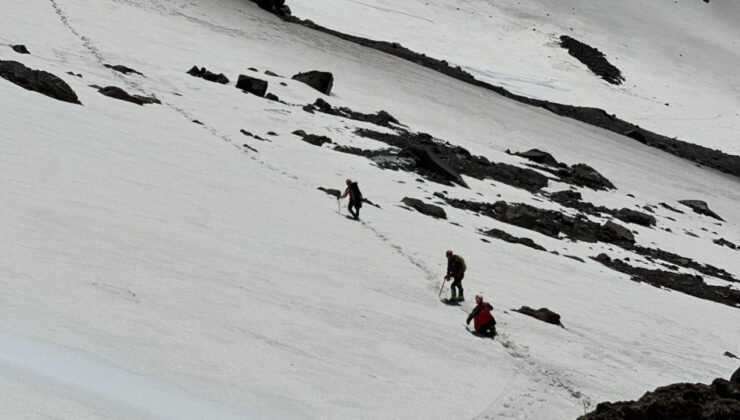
653 254
686 283
548 222
380 118
718 401
593 59
277 7
314 139
585 176
252 85
38 81
444 163
701 207
504 236
122 69
424 208
203 73
543 314
322 81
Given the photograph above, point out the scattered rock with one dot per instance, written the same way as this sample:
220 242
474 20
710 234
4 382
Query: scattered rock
423 208
252 85
686 283
538 156
731 356
617 234
247 133
380 118
500 234
120 94
122 69
197 122
724 242
74 74
37 81
20 49
543 314
272 97
683 401
573 257
320 80
671 208
313 138
211 77
685 262
701 207
597 117
593 59
269 73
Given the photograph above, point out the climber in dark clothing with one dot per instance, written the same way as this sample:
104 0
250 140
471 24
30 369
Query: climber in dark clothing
485 323
355 198
455 269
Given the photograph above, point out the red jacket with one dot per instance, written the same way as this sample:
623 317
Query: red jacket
482 315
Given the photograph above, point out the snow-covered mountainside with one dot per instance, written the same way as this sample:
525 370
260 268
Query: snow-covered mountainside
676 57
173 257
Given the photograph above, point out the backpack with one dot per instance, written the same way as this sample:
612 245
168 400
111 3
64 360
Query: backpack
462 261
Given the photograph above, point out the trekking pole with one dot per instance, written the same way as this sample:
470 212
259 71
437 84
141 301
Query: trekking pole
339 206
442 288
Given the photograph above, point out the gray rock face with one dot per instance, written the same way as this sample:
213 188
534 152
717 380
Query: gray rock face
322 81
252 85
37 81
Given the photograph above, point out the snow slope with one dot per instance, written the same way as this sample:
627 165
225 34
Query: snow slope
155 268
676 56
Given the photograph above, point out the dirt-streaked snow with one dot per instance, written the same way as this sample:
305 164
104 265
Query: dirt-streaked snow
152 267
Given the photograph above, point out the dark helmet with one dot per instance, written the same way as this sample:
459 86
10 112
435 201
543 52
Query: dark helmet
448 253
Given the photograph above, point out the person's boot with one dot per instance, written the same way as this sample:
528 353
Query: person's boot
453 297
461 298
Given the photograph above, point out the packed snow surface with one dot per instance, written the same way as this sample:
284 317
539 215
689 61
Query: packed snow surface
153 267
677 56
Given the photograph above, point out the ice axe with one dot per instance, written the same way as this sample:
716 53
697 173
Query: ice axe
444 279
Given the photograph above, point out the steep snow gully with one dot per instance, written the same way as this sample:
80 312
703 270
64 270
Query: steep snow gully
176 260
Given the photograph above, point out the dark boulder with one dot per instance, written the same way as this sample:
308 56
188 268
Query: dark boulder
701 207
320 80
543 314
586 176
120 94
616 234
538 156
20 49
424 208
381 117
207 75
593 59
37 81
429 160
252 85
683 401
277 7
122 69
272 97
637 217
